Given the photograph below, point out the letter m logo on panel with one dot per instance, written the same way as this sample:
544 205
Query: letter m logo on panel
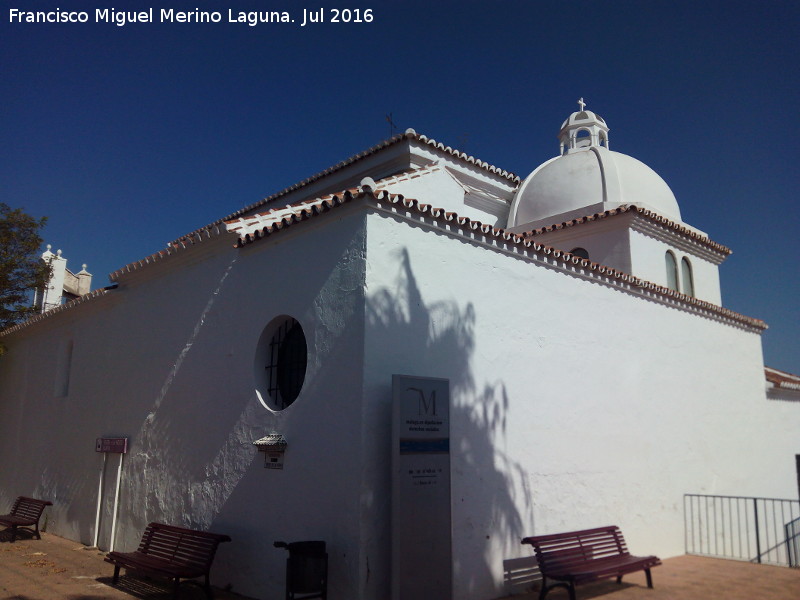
426 406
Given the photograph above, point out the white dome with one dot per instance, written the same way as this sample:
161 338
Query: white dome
588 178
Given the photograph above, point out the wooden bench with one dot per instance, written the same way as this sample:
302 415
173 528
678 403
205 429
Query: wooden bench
581 556
173 552
25 514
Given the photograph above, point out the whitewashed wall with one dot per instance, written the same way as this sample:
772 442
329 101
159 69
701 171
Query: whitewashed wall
574 404
167 360
607 242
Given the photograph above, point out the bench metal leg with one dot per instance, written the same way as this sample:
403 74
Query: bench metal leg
543 591
115 580
175 588
649 578
570 587
571 590
207 588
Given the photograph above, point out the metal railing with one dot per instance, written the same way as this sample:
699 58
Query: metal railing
745 528
793 542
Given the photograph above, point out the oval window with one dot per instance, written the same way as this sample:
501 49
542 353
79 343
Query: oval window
280 365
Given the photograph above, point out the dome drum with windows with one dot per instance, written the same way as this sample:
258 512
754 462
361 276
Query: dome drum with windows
641 233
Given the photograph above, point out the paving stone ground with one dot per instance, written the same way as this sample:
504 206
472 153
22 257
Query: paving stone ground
57 569
694 578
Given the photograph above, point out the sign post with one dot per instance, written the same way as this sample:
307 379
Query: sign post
99 501
109 446
422 555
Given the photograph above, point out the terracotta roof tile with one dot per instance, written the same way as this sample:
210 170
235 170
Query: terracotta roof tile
265 224
409 134
648 214
782 379
54 311
176 247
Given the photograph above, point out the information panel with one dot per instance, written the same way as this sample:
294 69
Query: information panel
111 445
421 522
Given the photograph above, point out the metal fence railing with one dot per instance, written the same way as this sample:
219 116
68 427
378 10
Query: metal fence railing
793 542
756 529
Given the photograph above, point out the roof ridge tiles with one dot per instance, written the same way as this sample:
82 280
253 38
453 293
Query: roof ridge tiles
310 208
409 134
411 173
564 256
644 212
782 379
183 243
58 309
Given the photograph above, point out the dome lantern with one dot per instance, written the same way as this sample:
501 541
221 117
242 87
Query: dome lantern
583 129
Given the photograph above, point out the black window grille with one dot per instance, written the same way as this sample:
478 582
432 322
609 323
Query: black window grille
286 369
580 252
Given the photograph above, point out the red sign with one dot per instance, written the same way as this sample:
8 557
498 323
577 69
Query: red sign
113 445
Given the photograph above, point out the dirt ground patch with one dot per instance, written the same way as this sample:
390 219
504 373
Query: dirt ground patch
57 569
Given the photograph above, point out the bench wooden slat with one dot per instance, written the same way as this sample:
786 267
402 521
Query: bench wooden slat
25 514
170 551
581 556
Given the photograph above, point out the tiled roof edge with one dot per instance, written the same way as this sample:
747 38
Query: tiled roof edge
174 248
782 380
649 214
188 242
409 134
499 235
53 311
306 211
464 156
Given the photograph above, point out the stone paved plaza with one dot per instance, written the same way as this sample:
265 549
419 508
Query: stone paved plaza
57 569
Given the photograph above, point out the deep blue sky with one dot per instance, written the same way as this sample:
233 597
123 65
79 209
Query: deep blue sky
129 137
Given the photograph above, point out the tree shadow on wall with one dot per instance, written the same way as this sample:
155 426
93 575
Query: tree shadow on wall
416 336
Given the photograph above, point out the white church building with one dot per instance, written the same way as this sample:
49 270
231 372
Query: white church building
594 375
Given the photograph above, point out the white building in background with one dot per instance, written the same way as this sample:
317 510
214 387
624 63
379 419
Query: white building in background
63 285
594 376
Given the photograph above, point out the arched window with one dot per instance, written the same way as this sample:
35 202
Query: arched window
672 270
687 280
580 252
583 138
